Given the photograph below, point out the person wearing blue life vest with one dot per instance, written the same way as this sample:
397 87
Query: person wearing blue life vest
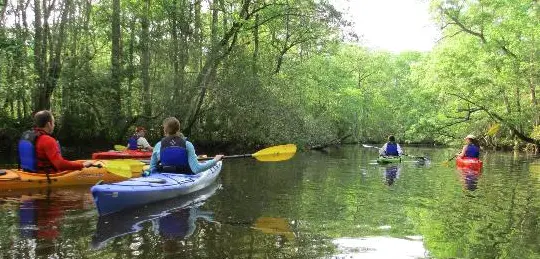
391 148
471 148
175 154
138 142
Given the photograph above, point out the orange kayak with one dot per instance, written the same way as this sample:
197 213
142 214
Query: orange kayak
469 163
18 179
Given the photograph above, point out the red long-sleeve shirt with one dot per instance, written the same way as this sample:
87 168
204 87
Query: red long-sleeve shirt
48 154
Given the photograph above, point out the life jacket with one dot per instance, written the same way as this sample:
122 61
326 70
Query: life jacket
391 149
472 151
173 156
28 159
132 142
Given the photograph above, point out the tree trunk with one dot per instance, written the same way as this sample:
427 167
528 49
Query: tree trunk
255 58
145 58
38 55
198 35
3 9
116 63
131 66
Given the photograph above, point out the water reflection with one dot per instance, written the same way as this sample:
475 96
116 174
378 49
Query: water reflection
469 178
41 216
334 205
380 247
274 226
391 173
171 219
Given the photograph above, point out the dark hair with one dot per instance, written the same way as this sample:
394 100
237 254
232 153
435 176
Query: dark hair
475 142
391 138
41 118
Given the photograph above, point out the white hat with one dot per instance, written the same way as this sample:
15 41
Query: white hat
470 136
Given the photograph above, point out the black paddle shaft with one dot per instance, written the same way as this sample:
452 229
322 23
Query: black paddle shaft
227 157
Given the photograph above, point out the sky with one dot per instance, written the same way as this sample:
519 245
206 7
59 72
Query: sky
392 25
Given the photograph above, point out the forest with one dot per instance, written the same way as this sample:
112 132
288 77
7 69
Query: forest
261 72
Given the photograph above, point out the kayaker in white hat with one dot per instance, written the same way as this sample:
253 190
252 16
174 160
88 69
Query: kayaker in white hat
138 142
471 148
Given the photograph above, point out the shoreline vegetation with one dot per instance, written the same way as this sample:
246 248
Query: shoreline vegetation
250 74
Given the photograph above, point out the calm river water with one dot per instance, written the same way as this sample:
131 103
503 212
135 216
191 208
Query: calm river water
334 205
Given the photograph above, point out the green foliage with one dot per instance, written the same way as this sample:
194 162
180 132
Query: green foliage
273 72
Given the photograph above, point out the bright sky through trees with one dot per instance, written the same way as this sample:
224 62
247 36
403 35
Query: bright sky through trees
393 25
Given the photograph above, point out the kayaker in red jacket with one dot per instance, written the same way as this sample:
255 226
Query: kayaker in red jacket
47 150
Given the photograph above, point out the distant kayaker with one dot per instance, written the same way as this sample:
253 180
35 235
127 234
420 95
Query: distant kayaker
138 142
40 152
175 154
391 148
471 149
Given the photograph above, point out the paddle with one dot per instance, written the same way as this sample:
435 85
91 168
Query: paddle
269 154
448 160
423 158
119 147
364 145
121 167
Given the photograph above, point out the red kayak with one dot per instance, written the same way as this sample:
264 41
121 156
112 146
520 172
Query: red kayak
469 163
122 154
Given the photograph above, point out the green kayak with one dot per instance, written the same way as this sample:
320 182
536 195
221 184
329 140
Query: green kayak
388 159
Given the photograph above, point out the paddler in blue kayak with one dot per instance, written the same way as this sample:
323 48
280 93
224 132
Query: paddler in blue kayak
471 148
391 148
175 154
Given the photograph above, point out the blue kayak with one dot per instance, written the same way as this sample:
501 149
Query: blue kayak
134 192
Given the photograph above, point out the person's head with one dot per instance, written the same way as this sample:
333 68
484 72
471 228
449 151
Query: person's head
471 139
44 120
171 126
391 138
140 131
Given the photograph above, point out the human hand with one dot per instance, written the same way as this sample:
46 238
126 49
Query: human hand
87 163
218 157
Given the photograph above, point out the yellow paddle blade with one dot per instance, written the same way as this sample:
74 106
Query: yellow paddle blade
119 147
123 167
276 153
120 169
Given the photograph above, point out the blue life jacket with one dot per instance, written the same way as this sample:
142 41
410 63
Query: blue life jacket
27 151
391 149
132 142
472 151
173 156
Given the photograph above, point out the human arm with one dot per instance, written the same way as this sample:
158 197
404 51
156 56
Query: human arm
194 164
399 150
462 154
382 150
142 142
155 157
48 148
